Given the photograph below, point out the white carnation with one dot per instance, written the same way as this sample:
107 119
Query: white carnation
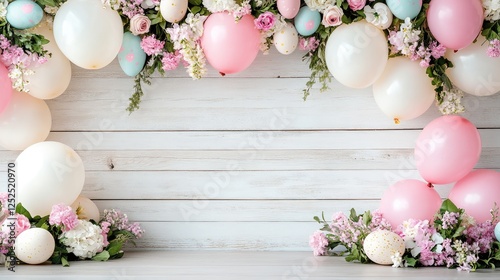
215 6
319 5
84 241
491 10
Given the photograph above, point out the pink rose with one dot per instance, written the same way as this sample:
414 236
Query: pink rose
265 21
22 224
356 5
139 24
332 16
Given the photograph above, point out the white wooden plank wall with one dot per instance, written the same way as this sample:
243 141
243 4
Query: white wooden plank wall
239 162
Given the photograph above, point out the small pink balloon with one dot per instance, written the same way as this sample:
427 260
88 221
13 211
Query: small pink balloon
447 149
288 8
230 46
5 87
409 199
455 23
477 193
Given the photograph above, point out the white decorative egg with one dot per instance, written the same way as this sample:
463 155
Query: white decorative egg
286 39
380 245
173 11
88 209
34 246
24 14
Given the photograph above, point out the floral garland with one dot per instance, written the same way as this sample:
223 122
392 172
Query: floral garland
168 45
76 237
452 239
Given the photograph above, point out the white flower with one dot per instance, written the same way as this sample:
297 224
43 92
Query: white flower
319 5
3 9
379 15
195 22
215 6
113 4
148 4
397 260
491 10
452 104
84 241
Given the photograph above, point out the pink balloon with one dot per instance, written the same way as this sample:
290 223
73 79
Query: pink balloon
230 46
5 87
409 199
477 193
455 23
447 149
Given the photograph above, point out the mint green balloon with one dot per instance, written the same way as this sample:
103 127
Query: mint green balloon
405 8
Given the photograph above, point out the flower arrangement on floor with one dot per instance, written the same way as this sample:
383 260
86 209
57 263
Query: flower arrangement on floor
67 234
356 41
451 239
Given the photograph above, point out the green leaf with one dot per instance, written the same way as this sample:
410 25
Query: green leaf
367 218
317 219
64 262
353 216
102 256
411 262
114 247
21 210
449 206
196 9
42 222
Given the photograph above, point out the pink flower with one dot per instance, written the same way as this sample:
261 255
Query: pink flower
265 21
494 48
104 231
356 5
139 24
319 243
64 216
3 196
22 224
151 45
437 51
170 61
332 16
310 44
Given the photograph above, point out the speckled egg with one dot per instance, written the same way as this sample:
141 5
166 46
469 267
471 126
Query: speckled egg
286 39
381 245
288 8
173 10
307 21
34 246
24 14
131 56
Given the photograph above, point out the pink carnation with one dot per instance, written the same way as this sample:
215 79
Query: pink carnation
494 48
356 5
104 231
265 21
170 61
151 45
310 44
64 216
22 224
319 243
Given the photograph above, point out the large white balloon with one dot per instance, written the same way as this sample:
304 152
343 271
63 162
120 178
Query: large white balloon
404 91
52 78
89 34
473 70
48 173
356 54
24 122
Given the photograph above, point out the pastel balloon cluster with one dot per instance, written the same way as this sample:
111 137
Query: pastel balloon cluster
446 151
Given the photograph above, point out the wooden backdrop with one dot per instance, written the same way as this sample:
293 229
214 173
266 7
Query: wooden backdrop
240 162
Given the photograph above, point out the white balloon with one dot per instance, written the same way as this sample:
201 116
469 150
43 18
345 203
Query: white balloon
34 246
404 91
52 78
24 122
48 173
356 54
89 34
473 70
88 209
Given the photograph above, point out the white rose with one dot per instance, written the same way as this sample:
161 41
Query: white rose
139 24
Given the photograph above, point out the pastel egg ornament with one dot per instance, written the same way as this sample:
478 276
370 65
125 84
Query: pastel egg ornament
286 40
288 8
403 9
497 232
307 21
89 34
24 14
381 245
34 246
173 11
131 56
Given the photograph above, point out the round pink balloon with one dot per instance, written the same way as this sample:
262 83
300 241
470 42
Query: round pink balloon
447 149
477 193
409 199
5 87
455 23
230 46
